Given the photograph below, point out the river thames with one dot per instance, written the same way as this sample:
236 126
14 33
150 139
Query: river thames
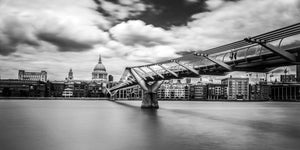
177 125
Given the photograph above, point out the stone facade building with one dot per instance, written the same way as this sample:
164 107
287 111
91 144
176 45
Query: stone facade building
98 85
32 76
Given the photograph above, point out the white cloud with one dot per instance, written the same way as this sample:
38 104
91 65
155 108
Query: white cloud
69 27
140 42
136 32
236 20
213 4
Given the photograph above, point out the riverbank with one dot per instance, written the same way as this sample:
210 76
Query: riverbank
107 98
54 98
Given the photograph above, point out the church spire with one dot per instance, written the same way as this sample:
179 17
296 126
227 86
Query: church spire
70 74
99 62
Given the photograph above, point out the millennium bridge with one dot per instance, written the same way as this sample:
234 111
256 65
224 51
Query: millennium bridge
260 53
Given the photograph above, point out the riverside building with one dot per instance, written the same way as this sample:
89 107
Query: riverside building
236 88
33 76
174 91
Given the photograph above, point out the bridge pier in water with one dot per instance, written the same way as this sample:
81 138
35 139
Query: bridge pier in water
150 95
149 100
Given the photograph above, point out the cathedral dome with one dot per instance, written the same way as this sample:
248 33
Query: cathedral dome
99 67
99 72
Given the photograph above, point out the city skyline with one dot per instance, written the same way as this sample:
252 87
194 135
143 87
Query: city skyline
58 35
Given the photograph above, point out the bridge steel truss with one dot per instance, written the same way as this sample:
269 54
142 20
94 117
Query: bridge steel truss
260 53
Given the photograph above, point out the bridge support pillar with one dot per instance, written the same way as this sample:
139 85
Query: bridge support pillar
112 96
150 100
150 95
149 91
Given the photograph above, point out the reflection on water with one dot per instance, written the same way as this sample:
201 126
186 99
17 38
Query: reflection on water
105 125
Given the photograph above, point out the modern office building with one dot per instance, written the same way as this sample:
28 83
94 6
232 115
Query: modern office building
236 88
32 76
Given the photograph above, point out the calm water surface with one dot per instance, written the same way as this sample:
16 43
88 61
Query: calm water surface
105 125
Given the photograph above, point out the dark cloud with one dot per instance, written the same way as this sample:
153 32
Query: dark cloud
160 13
11 47
117 11
64 43
13 34
100 9
5 50
97 2
167 13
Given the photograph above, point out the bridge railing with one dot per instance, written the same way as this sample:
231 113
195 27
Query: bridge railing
256 50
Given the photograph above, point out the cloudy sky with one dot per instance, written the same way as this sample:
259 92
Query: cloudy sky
56 35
